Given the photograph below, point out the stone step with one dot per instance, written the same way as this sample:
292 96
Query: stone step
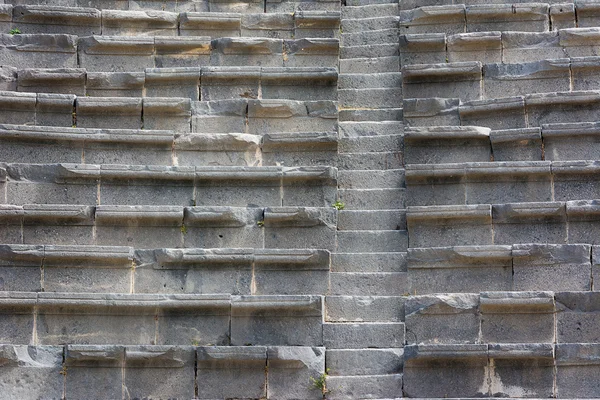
213 319
374 50
356 3
380 115
364 308
369 11
370 144
369 65
371 219
371 161
370 98
355 25
371 179
373 199
378 335
368 283
118 269
368 262
357 387
164 185
380 36
359 362
370 80
373 241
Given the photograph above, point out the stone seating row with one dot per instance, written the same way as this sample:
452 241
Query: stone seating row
90 21
130 53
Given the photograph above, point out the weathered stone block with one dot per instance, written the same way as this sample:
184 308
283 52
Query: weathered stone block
364 335
290 368
116 53
517 144
577 370
94 369
577 315
422 48
364 308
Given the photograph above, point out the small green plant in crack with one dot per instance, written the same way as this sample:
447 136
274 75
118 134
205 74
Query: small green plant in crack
183 229
321 383
15 31
338 205
260 223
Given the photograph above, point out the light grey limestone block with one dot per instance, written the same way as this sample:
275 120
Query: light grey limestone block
438 370
289 370
9 79
365 51
422 48
213 24
281 116
49 19
438 145
289 149
374 23
575 180
221 116
373 199
531 46
576 317
502 80
217 149
364 308
430 226
530 223
362 335
388 114
447 19
20 268
314 52
116 53
435 184
562 16
221 83
372 241
357 362
39 50
194 319
94 369
442 318
319 23
561 107
485 47
523 144
92 112
11 218
517 317
571 141
369 128
18 108
167 113
181 51
164 5
311 186
103 4
368 262
272 25
508 17
364 81
352 387
173 82
502 113
369 220
521 369
370 97
290 6
577 370
503 182
361 179
159 371
247 51
246 366
227 6
115 84
431 112
369 283
140 23
370 161
579 42
587 13
462 80
39 145
16 316
459 269
277 320
51 80
584 72
372 11
567 265
31 372
366 37
54 109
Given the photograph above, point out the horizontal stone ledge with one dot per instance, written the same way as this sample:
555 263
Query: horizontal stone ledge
133 81
267 21
545 69
229 75
18 101
116 45
571 129
475 41
59 214
426 133
581 64
86 135
151 19
434 352
10 213
481 213
299 217
47 43
117 356
459 257
225 357
21 254
583 210
507 12
56 15
539 351
317 19
300 76
516 302
31 357
188 45
245 46
515 135
233 217
84 256
108 105
423 42
121 215
276 306
551 254
111 356
275 108
276 142
209 21
572 37
433 15
578 169
18 301
581 302
312 46
458 71
506 169
51 76
276 174
162 76
440 304
516 213
562 98
217 142
491 106
577 354
421 173
167 106
144 172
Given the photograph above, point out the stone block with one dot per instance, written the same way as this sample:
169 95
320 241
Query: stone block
437 184
422 48
438 370
368 262
273 25
140 23
318 149
431 112
20 267
39 50
360 362
577 370
16 316
234 51
280 116
159 372
313 52
561 107
579 42
116 53
485 47
508 17
115 84
18 108
39 144
290 368
368 283
320 23
167 113
575 180
31 371
94 369
124 112
54 109
433 19
502 113
51 19
517 144
584 72
517 317
364 308
571 141
351 387
577 315
530 46
276 320
58 224
530 223
363 335
562 16
462 80
221 83
9 78
372 219
430 226
460 269
372 241
442 318
213 24
221 116
52 80
181 51
246 366
217 149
